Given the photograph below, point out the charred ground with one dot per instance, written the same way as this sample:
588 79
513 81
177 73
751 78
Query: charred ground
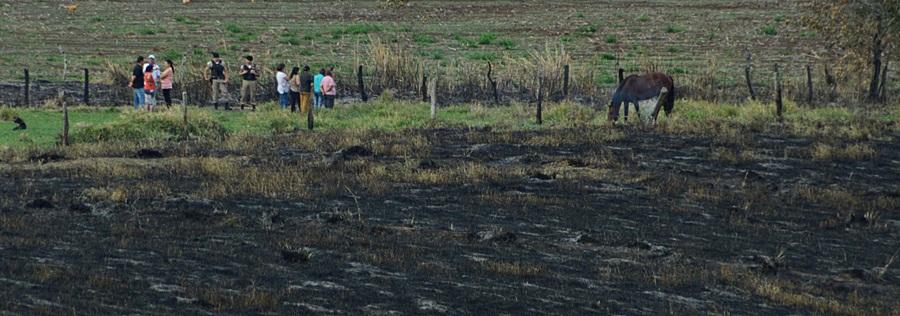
602 219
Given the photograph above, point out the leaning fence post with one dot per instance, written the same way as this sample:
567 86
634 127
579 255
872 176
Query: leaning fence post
832 84
27 88
424 89
184 117
433 92
65 131
362 87
540 100
884 79
747 74
87 82
809 84
310 121
565 82
779 105
493 83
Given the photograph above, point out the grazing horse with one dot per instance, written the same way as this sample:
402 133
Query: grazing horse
637 88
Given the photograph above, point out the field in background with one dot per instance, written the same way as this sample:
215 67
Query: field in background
701 43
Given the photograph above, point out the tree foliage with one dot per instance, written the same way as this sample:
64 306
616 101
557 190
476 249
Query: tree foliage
860 33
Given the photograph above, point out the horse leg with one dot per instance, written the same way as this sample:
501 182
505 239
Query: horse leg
637 109
626 110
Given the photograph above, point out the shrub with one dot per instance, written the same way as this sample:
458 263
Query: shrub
166 125
671 29
507 44
233 28
588 29
607 56
465 42
770 30
424 39
611 39
487 38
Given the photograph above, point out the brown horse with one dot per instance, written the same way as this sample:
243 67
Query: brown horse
636 88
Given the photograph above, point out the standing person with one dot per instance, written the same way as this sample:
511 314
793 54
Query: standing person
166 81
217 74
248 85
283 86
317 88
151 61
149 87
137 83
329 90
295 88
306 81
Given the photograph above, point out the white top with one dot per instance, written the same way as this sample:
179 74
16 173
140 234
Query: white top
283 85
156 70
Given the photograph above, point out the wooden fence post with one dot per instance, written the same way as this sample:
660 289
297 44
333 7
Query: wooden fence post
184 115
832 84
566 82
87 82
27 88
433 92
493 83
362 87
310 121
65 131
424 88
747 74
621 75
779 105
809 84
540 100
184 97
884 78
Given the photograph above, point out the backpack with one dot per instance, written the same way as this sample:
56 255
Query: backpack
149 83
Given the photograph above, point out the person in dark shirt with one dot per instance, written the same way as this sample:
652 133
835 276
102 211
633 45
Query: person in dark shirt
306 81
248 85
217 73
137 83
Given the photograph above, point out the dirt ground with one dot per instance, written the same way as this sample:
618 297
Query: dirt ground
609 221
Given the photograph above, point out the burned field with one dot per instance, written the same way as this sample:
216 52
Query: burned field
601 220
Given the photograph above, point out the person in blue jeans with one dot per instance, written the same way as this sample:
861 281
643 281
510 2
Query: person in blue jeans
317 89
137 83
284 87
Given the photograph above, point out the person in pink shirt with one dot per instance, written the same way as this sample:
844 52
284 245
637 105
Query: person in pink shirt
165 82
329 90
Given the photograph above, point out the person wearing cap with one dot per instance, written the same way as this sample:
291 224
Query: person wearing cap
155 74
248 84
217 74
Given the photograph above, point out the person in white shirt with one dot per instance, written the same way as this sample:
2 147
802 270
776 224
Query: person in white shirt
151 100
284 87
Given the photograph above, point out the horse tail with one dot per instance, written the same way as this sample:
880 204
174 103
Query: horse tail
621 76
669 105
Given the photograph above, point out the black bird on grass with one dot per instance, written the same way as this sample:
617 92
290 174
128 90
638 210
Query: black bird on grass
20 124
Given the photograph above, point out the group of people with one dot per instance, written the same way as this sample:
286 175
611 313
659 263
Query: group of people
298 91
147 81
